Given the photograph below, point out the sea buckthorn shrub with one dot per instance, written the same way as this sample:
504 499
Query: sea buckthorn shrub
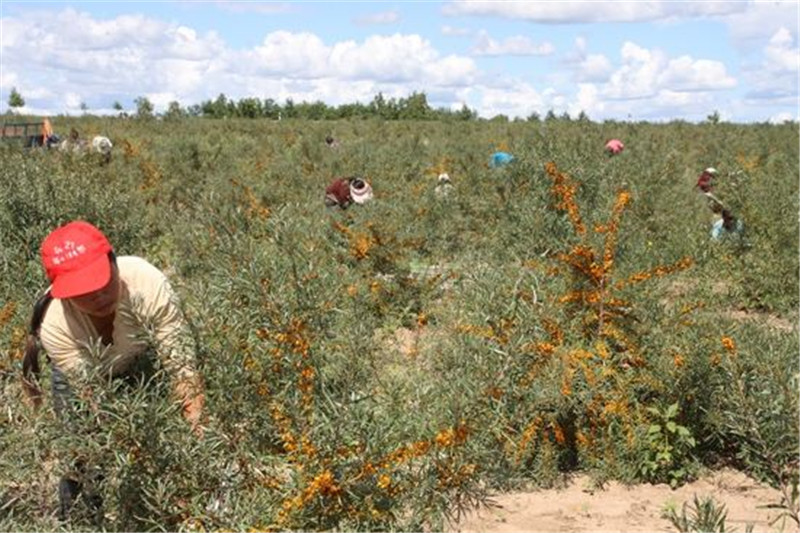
386 366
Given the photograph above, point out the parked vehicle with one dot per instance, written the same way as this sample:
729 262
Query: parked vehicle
30 134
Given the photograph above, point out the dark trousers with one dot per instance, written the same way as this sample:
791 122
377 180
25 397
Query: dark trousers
71 486
74 485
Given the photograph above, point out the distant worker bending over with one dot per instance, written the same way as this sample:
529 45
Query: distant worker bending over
343 192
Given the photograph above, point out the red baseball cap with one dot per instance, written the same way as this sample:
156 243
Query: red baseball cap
75 257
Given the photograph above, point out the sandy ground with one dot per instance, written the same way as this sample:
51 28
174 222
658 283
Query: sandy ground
581 507
614 507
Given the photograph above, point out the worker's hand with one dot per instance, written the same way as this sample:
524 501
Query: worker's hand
193 412
190 391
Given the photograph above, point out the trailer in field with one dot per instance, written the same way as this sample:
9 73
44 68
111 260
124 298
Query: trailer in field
29 133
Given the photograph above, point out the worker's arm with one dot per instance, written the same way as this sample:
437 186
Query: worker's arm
176 350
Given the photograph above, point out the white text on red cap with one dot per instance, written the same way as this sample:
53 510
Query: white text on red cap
69 251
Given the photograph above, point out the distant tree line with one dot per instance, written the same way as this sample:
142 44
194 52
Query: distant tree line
413 107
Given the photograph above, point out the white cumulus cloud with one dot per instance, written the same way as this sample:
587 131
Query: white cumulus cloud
72 100
595 67
398 58
80 58
588 100
637 76
518 100
59 59
773 80
781 53
566 12
760 20
644 73
302 55
688 74
517 45
587 67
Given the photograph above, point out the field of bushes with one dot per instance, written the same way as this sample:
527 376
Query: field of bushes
388 366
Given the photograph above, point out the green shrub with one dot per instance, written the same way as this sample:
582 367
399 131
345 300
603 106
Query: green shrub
381 368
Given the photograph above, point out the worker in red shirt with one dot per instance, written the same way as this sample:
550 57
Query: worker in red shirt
344 191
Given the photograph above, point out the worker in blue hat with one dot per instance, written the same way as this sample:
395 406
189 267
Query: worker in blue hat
499 159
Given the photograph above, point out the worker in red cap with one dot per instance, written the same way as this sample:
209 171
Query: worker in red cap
343 192
97 319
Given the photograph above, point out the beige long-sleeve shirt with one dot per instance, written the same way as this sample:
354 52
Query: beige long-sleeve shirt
147 315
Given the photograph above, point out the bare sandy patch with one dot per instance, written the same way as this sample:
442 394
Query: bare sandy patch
679 289
580 506
766 319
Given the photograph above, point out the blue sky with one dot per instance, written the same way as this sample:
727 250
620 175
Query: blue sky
643 60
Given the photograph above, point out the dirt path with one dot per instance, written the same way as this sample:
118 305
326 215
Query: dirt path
579 507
